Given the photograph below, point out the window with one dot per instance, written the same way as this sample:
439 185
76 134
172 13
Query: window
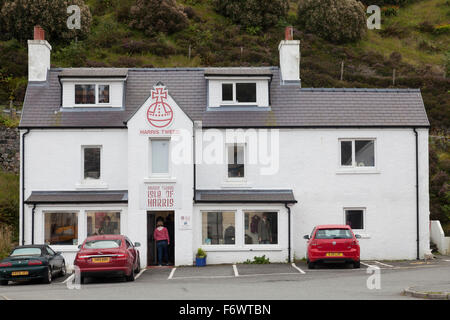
103 222
235 161
354 218
91 162
61 228
91 94
333 233
103 93
160 156
261 227
103 244
218 228
26 252
50 251
84 94
242 92
227 92
245 92
357 153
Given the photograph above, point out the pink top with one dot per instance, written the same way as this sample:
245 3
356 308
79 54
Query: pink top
162 234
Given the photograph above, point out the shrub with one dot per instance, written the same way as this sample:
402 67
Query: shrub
442 29
336 20
253 13
390 11
6 240
9 201
200 253
395 30
258 260
73 55
426 26
20 16
154 16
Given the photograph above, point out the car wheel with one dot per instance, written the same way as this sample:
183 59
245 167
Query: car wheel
356 265
131 277
63 270
138 267
4 282
48 276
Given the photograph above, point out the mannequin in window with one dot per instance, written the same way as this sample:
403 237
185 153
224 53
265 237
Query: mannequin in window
264 230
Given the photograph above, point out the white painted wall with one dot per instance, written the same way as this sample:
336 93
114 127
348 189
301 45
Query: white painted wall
438 237
309 164
38 59
289 60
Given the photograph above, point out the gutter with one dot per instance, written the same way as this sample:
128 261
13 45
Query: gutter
417 194
32 224
23 185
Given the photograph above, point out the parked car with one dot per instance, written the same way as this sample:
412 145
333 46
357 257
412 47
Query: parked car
108 255
333 243
32 262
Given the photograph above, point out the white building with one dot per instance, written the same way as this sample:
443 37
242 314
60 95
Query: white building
216 149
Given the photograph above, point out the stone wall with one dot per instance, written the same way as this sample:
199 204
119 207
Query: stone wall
9 149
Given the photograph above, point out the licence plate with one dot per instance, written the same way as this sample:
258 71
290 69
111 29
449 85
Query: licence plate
101 260
335 254
19 273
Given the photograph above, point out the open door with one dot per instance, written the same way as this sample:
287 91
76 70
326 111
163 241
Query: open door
169 222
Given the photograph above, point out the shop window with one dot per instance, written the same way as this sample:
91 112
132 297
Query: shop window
354 218
357 153
218 228
103 222
160 156
91 163
261 227
61 228
235 161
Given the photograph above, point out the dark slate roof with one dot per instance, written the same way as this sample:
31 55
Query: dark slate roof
263 71
53 197
291 106
93 72
245 196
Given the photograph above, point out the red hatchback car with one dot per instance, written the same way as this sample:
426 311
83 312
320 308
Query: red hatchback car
333 243
108 255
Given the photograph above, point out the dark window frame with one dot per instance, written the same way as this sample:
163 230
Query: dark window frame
354 163
355 210
85 176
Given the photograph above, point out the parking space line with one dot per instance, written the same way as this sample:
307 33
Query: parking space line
203 277
384 264
267 274
139 274
236 273
69 278
5 297
367 265
299 270
171 273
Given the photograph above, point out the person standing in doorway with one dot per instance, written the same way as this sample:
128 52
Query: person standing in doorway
264 231
161 236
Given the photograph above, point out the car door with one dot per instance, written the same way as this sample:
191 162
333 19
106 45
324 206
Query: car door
52 259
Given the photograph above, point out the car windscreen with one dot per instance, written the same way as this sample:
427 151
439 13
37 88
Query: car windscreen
103 244
334 234
26 252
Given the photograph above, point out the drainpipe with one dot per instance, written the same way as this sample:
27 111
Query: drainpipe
23 186
289 231
32 223
417 192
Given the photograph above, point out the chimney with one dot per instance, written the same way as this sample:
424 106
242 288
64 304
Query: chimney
289 58
38 56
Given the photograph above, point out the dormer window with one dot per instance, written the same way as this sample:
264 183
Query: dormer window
91 94
239 92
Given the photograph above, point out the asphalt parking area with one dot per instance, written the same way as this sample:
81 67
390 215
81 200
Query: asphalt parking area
266 269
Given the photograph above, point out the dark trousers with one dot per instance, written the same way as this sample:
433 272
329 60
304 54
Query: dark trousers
162 250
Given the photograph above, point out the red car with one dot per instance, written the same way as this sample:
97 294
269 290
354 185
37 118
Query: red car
332 243
108 255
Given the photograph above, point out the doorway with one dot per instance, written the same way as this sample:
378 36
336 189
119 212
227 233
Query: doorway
168 218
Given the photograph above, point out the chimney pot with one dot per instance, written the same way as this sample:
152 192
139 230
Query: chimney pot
289 33
39 33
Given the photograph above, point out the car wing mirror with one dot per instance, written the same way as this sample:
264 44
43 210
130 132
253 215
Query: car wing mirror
306 237
137 244
357 236
79 246
58 253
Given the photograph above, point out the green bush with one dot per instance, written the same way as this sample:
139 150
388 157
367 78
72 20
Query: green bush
253 13
73 55
154 16
338 21
6 240
9 201
20 16
201 253
258 260
442 29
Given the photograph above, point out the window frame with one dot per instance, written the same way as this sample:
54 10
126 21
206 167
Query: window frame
234 101
224 245
259 245
150 158
83 147
78 233
96 93
354 165
227 147
363 209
